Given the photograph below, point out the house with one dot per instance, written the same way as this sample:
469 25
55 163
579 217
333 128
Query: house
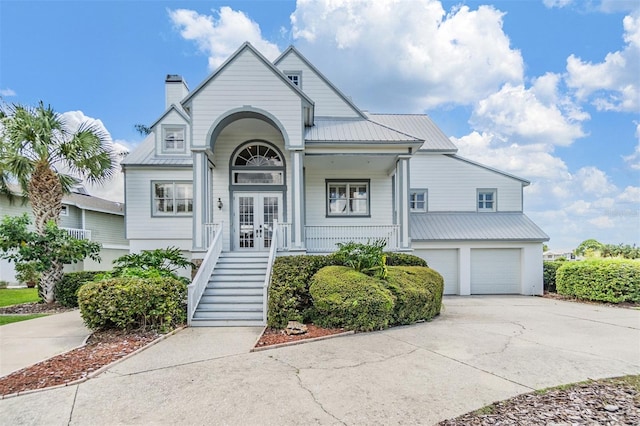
83 216
270 158
551 255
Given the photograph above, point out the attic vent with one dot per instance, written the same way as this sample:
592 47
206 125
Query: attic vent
295 77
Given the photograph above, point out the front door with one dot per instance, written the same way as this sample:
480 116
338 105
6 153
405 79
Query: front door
254 216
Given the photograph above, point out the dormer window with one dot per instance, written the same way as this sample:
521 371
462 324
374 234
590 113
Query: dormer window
173 140
295 77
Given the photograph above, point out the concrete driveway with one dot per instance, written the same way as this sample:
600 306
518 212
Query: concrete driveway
480 350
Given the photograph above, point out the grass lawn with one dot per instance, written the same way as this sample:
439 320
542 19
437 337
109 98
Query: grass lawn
8 319
15 296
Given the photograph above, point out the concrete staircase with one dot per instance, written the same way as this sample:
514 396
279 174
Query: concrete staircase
233 296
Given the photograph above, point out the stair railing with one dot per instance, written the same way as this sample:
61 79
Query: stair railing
199 283
267 278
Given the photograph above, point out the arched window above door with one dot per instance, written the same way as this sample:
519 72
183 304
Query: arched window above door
257 163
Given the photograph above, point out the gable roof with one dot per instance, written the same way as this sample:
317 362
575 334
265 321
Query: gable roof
500 172
145 154
246 46
292 50
82 201
420 126
175 108
354 130
474 226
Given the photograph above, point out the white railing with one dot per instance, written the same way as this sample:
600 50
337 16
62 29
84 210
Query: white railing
323 239
284 236
79 234
210 230
267 277
199 283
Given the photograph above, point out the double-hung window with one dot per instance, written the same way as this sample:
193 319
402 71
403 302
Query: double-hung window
348 198
486 200
172 198
173 140
418 200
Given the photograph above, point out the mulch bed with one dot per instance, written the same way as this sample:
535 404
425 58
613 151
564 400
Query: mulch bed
273 336
556 296
34 308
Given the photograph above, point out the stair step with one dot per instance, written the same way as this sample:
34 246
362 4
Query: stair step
244 255
207 322
231 299
224 307
239 271
234 284
233 291
255 316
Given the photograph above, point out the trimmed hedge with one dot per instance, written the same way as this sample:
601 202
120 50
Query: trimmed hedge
66 291
549 274
131 303
606 280
404 259
344 297
417 291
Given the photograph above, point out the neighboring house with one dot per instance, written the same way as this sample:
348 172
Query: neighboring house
555 255
258 142
82 216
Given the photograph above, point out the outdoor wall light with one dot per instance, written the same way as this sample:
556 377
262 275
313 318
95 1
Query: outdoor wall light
219 204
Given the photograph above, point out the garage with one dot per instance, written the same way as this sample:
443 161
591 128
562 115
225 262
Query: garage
495 271
445 261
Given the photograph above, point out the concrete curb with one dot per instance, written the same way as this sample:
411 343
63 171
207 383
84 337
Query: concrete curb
93 373
299 342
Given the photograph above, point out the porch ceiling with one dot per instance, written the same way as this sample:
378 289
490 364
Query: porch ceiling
350 161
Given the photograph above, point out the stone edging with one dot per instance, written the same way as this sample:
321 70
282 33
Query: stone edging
298 342
93 373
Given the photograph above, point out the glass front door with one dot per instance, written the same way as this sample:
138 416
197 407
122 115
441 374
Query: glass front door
254 216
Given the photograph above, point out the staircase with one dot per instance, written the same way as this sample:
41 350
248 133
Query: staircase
233 296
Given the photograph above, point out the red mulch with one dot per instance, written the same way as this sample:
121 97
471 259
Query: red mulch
273 336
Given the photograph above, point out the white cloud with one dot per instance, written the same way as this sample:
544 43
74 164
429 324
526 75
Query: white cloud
594 181
220 34
611 85
633 160
415 53
602 222
630 194
7 92
557 3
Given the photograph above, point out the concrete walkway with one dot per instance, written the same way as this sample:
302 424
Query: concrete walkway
27 342
480 350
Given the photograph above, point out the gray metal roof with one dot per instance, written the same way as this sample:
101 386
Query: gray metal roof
420 126
145 154
474 226
89 202
353 130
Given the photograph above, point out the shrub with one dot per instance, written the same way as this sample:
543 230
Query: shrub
66 291
404 259
366 258
289 298
549 274
417 291
168 260
131 302
606 280
343 297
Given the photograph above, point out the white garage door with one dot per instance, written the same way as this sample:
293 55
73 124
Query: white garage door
446 263
495 271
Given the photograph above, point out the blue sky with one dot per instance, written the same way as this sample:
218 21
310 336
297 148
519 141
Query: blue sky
548 90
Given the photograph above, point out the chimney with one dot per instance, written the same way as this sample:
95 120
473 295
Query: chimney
175 89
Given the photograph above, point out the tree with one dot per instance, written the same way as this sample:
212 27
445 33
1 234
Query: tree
589 247
40 152
42 250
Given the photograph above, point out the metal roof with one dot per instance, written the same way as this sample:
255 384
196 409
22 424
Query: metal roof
474 226
353 130
420 126
89 202
145 154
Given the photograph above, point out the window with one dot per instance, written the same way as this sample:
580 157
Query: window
64 211
257 164
418 200
295 77
347 198
172 198
173 140
486 200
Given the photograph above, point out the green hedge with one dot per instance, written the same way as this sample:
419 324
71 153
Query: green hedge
417 291
131 303
404 259
549 269
66 291
606 280
344 297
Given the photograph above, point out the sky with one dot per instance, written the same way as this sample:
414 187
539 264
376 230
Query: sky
547 90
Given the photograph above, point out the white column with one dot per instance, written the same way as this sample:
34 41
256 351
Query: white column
402 196
200 199
297 199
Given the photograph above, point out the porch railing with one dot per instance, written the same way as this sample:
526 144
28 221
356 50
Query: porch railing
79 234
323 239
283 237
267 277
210 231
199 283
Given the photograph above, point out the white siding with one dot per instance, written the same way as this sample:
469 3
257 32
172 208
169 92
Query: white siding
140 222
453 183
246 81
381 204
495 271
327 102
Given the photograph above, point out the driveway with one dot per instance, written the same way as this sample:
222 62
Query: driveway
479 350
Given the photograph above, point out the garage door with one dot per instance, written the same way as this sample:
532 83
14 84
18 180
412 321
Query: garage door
446 263
495 271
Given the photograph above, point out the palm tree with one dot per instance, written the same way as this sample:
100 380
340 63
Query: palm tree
40 152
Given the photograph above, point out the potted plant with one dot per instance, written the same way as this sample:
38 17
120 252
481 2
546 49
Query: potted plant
27 273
